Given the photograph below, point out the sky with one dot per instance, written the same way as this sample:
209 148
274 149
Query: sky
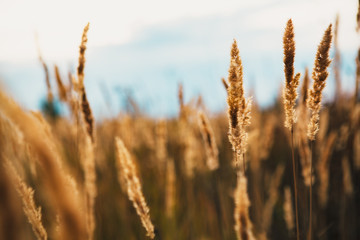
148 47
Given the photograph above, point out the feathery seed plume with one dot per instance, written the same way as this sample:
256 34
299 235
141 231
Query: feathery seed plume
127 167
27 196
239 107
59 194
291 82
319 76
85 106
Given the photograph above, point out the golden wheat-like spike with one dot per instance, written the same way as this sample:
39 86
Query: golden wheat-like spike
289 51
61 88
239 108
234 88
55 180
291 82
127 167
87 115
27 196
209 141
319 76
243 225
85 106
81 66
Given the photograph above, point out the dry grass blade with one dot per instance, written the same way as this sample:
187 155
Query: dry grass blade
127 167
61 88
226 85
27 196
209 141
55 180
181 99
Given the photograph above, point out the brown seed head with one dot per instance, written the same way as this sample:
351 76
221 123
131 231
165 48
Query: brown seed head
81 66
289 51
291 82
319 76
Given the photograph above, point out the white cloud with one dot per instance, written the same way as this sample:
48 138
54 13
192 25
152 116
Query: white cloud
60 23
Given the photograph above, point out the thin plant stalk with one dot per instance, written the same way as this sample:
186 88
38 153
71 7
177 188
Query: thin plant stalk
310 214
295 185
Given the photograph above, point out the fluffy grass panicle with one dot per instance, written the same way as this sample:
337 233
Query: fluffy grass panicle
291 82
319 76
239 107
127 167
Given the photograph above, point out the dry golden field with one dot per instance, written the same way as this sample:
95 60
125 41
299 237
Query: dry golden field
290 171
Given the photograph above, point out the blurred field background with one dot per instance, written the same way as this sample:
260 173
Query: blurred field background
146 83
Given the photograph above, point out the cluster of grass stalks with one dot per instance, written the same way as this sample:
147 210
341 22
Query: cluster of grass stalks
291 172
